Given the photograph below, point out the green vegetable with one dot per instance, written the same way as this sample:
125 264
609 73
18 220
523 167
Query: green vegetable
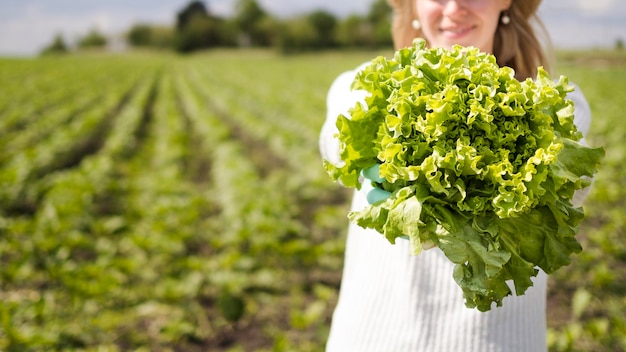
477 162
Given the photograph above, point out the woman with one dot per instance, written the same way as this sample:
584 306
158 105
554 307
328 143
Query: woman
391 301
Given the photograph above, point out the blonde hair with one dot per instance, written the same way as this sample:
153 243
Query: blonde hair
516 44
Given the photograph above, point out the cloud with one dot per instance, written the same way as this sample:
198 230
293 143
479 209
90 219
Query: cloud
29 29
597 6
293 7
38 28
584 23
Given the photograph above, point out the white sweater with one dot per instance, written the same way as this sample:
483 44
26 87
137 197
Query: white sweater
390 301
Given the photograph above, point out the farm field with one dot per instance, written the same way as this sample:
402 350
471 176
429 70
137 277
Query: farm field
153 202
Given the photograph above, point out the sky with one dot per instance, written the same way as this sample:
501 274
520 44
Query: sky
26 26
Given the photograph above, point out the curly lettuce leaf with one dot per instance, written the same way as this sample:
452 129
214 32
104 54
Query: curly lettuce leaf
477 162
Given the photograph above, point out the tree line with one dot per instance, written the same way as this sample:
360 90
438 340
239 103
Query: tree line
198 28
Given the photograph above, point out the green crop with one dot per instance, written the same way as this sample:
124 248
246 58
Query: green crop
477 162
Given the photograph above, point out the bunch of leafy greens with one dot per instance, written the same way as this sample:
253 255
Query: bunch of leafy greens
477 163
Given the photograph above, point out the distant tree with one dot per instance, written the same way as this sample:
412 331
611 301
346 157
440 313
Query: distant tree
379 18
94 39
139 35
370 31
267 31
57 46
619 44
145 35
227 32
249 16
324 23
296 34
380 11
162 36
354 31
200 33
195 9
196 29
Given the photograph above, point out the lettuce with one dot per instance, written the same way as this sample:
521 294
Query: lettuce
476 162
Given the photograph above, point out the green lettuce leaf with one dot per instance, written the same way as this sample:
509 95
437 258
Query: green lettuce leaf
478 163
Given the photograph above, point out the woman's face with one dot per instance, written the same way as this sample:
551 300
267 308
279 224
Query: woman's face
464 22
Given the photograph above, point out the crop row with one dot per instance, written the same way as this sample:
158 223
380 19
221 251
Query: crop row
155 209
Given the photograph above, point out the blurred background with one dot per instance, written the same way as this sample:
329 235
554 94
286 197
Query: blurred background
31 25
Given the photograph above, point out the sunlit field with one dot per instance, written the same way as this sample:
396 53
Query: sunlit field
155 202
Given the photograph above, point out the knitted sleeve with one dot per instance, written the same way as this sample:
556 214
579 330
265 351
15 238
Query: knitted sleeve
339 100
582 120
582 112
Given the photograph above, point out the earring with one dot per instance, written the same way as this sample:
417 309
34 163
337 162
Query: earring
416 24
505 19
